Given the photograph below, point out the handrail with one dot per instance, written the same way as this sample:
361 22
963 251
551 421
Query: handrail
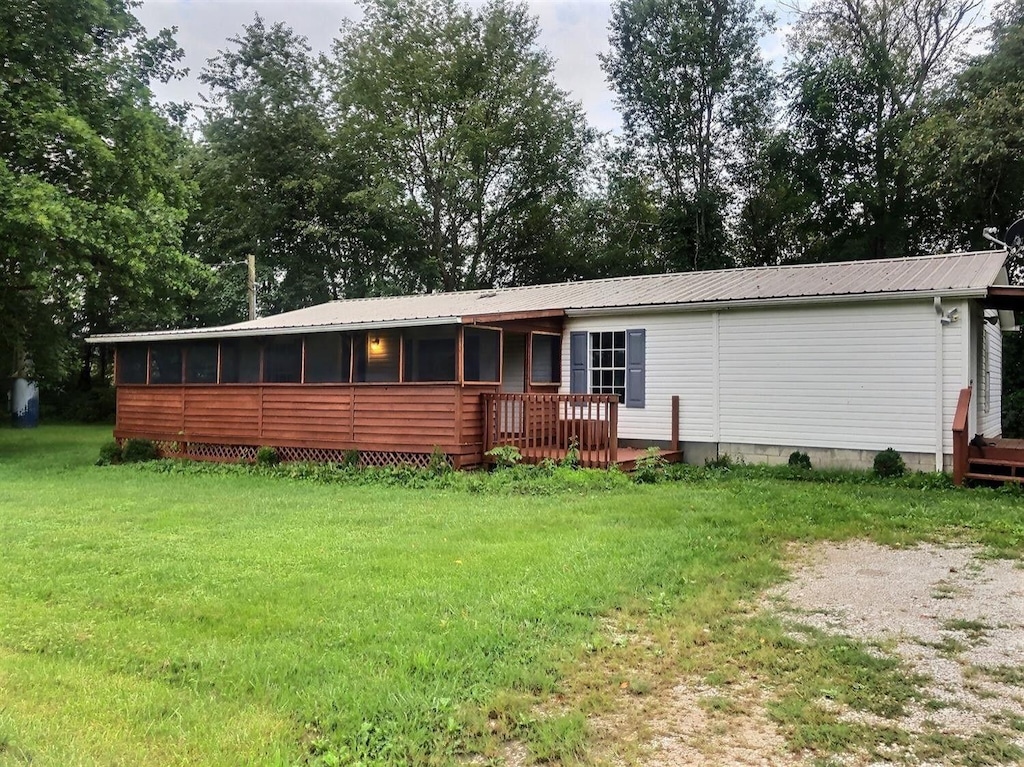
961 442
548 425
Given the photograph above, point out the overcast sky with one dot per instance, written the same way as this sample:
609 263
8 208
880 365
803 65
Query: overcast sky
573 31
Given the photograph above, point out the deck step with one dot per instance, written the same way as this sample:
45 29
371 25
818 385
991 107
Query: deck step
993 477
1019 462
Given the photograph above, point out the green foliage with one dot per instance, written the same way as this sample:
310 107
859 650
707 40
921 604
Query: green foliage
110 453
571 459
889 463
650 467
694 92
799 460
721 462
438 464
138 451
477 152
505 456
92 201
267 456
65 403
350 459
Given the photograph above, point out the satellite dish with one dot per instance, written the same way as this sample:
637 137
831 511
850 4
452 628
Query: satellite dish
1015 236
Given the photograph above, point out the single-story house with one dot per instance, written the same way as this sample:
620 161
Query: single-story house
838 360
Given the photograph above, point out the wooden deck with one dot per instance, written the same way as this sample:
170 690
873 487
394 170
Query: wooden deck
991 461
999 460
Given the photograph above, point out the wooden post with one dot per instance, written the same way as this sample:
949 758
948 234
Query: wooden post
250 284
613 428
675 423
961 443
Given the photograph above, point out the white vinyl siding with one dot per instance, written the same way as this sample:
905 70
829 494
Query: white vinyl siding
678 362
990 410
854 376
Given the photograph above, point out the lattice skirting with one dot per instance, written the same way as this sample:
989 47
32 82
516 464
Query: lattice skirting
204 451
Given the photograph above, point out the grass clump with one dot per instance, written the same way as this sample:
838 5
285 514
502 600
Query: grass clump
267 456
650 467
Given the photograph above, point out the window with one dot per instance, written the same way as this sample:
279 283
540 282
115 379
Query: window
165 364
545 357
131 364
481 354
327 358
609 362
282 361
376 356
240 361
201 363
430 354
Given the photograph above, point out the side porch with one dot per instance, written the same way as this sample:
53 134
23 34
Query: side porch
545 426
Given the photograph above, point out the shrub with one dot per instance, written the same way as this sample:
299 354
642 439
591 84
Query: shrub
110 453
724 461
138 450
889 463
438 464
571 459
650 467
800 460
267 456
505 456
350 459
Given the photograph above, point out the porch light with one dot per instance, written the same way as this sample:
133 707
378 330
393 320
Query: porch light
377 347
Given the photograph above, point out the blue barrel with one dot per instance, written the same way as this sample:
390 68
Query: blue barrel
24 404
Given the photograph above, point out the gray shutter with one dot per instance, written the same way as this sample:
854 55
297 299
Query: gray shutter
636 368
578 363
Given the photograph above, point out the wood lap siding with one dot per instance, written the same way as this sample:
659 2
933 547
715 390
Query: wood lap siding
408 418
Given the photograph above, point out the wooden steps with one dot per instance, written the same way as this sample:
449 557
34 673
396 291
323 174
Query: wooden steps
995 465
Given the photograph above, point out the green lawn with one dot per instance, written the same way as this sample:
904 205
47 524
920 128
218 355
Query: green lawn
150 618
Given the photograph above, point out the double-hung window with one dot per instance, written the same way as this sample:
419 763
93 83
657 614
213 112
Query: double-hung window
609 362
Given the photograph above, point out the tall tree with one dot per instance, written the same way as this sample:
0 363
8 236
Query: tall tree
861 74
467 136
694 93
971 147
261 167
91 200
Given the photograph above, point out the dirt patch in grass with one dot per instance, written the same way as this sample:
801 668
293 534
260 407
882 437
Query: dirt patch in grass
952 618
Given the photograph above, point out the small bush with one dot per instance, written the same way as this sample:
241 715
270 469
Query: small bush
138 451
889 463
571 459
650 467
505 456
724 461
800 460
110 453
350 459
438 464
267 456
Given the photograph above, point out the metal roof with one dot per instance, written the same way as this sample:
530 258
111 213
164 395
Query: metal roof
960 274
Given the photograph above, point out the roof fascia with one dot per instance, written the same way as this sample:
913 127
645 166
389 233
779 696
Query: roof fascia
233 332
760 303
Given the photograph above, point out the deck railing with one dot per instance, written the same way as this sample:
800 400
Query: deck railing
549 425
961 442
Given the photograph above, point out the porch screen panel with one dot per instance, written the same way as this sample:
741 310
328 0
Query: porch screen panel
201 363
482 354
327 358
165 364
131 364
430 354
240 361
546 355
376 356
282 360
